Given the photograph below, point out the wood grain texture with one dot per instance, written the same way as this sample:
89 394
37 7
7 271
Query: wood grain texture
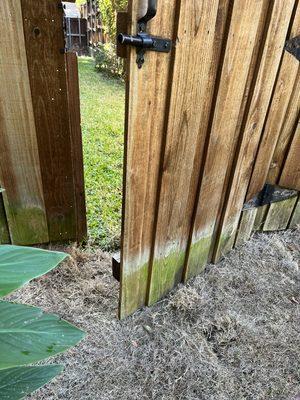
279 215
196 59
290 176
260 217
122 25
268 65
194 121
295 220
147 95
286 135
44 37
76 144
245 27
286 82
246 226
19 159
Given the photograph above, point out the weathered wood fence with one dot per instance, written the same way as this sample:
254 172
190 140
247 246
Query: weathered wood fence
208 125
41 168
76 35
95 32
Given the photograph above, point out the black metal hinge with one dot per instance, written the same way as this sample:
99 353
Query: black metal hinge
143 41
293 47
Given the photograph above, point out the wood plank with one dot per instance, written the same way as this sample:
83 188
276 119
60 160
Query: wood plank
76 144
255 117
279 215
147 95
295 220
4 232
199 42
246 226
286 135
122 24
290 177
44 37
244 35
261 215
286 82
19 159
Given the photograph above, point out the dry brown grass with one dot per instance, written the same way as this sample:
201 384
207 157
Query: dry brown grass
231 334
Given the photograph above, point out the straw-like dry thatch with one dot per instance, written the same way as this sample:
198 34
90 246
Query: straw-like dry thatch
231 334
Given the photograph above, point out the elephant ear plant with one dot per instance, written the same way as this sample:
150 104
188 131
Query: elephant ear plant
28 335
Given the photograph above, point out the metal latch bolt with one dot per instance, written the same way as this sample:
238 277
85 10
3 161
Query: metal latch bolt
143 41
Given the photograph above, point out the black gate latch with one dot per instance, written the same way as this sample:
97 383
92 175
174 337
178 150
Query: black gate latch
143 41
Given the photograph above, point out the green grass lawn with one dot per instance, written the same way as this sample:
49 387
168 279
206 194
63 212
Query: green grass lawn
102 115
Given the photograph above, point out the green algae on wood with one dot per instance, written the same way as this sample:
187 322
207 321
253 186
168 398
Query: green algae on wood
166 273
133 290
260 217
199 256
27 225
279 215
295 220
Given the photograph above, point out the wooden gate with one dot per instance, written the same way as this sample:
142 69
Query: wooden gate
207 126
41 167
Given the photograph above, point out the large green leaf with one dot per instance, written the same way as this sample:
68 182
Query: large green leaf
18 265
16 383
28 335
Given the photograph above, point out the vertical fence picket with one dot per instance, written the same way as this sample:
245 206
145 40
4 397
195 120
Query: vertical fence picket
44 40
287 80
286 135
198 122
43 197
290 176
146 99
279 215
295 219
268 65
246 226
200 33
245 28
76 144
19 159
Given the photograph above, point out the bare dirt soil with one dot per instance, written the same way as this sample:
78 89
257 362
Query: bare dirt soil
231 334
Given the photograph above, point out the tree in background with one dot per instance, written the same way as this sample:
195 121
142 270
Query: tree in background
108 9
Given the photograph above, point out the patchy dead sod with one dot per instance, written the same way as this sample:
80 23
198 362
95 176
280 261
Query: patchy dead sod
232 333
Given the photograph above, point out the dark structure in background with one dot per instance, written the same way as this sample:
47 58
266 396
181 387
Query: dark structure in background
76 29
95 33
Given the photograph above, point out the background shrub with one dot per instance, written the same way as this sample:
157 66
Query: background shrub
108 9
107 60
27 335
